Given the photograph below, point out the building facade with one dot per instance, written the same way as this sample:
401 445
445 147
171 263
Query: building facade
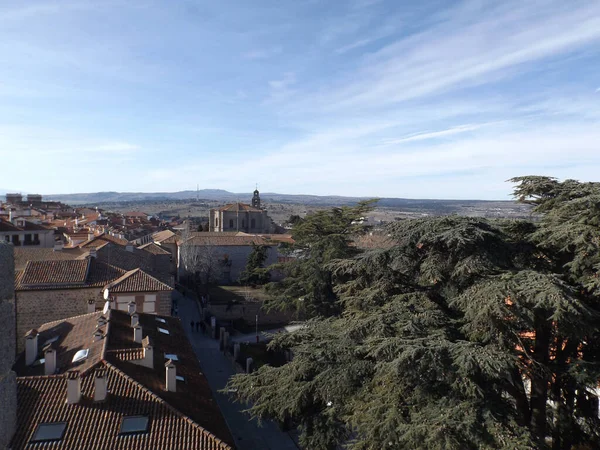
241 217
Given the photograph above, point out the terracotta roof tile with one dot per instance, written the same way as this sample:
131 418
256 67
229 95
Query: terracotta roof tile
137 281
235 207
55 272
151 247
24 254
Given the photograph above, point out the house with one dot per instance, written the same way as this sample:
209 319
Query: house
22 232
114 379
52 290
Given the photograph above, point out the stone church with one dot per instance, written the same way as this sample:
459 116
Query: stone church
250 219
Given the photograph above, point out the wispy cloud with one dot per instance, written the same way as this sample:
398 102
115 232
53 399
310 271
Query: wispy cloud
435 134
263 53
281 89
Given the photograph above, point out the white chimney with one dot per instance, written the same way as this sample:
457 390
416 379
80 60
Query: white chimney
58 246
90 236
148 360
171 377
73 387
131 307
135 320
137 334
93 253
31 347
50 360
10 215
100 389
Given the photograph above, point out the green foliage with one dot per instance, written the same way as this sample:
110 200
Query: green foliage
255 273
319 238
466 334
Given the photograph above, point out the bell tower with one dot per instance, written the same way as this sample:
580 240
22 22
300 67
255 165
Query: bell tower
256 199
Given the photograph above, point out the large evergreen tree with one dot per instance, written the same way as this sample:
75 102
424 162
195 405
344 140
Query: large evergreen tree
465 334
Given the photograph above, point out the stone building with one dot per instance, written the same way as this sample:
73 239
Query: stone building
8 380
241 217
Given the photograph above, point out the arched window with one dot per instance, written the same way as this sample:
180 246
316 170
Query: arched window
230 223
253 223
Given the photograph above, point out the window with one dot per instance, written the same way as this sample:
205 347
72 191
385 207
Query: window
36 237
134 424
163 331
179 378
81 355
49 432
171 356
149 307
253 223
216 222
51 340
7 238
161 320
230 223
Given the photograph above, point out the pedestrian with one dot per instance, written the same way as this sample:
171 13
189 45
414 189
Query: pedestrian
197 325
192 325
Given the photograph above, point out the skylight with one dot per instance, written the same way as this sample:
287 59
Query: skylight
179 378
81 355
49 432
171 356
163 331
134 424
158 319
51 340
39 362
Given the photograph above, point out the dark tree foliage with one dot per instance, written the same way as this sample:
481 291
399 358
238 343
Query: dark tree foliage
255 272
467 334
319 239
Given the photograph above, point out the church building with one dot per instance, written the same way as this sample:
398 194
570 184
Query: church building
250 219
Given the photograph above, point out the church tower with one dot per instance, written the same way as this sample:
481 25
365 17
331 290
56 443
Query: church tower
256 199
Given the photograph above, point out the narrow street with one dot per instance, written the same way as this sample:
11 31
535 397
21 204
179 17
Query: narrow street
217 368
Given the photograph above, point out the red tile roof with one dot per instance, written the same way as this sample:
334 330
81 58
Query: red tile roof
24 254
55 273
137 281
151 247
186 419
239 207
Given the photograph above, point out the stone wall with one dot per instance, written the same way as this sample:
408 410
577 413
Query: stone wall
35 308
248 312
8 380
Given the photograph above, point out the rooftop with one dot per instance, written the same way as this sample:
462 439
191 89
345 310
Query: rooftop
186 419
239 207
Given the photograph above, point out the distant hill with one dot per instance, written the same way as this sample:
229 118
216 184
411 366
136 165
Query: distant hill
221 195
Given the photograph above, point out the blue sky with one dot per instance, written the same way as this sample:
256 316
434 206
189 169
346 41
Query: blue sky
431 99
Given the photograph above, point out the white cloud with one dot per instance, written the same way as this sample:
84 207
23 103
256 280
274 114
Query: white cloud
263 53
435 134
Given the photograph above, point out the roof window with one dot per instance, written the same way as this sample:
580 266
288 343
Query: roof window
81 355
158 319
134 424
39 362
179 378
163 331
171 356
49 432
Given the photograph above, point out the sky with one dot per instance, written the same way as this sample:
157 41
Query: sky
428 99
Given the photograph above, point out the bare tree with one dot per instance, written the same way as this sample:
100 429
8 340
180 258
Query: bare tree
199 259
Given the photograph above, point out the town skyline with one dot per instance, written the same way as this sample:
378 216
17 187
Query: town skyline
354 98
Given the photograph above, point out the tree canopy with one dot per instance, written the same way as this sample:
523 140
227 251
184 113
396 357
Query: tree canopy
465 334
255 271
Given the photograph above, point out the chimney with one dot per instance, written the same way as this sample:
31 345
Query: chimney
100 389
93 253
137 334
148 360
73 387
98 334
90 236
50 360
58 246
131 307
129 247
10 215
135 319
171 377
31 346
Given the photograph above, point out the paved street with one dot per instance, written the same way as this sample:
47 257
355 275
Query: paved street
217 369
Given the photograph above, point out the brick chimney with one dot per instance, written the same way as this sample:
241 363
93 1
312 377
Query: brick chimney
100 388
73 387
49 360
137 334
170 376
135 319
31 347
